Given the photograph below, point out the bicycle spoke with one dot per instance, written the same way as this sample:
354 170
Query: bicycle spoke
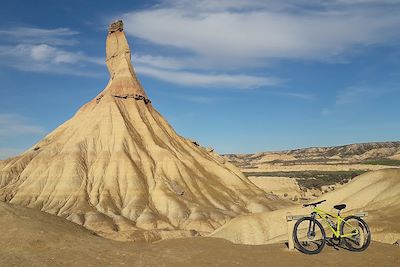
357 236
309 236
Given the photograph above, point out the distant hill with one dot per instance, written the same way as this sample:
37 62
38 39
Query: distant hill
310 172
376 153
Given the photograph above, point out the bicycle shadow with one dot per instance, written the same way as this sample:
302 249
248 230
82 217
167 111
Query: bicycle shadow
331 242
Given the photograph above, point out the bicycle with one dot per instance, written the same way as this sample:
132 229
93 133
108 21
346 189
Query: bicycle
310 237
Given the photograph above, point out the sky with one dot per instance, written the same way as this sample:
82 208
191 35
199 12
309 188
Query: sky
242 76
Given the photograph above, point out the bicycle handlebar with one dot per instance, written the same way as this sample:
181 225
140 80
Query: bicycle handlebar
314 204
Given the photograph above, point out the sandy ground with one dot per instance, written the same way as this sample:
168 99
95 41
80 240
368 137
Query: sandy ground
188 251
33 238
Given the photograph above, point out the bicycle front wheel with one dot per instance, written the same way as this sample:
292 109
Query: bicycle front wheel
355 233
309 235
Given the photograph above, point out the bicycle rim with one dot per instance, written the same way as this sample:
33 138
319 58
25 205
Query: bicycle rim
309 236
360 236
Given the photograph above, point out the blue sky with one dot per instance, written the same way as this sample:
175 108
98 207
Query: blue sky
241 76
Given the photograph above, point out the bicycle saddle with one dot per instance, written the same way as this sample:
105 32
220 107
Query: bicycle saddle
340 206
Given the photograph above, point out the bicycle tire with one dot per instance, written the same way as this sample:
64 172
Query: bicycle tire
299 244
345 240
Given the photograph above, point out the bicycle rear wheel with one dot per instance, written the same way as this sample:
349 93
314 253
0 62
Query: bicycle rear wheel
309 235
360 235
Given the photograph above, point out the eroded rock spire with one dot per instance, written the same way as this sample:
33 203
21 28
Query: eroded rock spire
119 168
118 58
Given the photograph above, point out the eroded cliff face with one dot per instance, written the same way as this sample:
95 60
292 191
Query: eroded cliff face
117 165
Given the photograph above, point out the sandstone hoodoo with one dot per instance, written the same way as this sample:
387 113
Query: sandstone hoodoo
118 166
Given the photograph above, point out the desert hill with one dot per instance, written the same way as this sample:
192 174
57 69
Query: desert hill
35 238
376 192
353 153
117 166
304 174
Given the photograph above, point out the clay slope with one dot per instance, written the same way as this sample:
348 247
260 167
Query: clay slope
117 165
376 192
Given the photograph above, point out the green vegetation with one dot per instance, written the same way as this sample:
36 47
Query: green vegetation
387 162
309 174
313 179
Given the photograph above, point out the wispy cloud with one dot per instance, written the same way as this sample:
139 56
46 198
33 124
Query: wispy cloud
352 95
249 30
240 35
303 96
158 61
175 71
46 58
13 124
379 2
32 35
199 99
186 78
43 50
271 4
326 111
190 96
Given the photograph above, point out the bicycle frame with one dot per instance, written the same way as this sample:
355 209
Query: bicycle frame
336 232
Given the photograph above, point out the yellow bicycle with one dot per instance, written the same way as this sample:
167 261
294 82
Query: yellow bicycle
309 234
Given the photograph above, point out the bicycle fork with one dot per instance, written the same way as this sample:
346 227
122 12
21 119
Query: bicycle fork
311 227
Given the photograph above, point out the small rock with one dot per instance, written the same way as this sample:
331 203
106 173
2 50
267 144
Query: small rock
194 232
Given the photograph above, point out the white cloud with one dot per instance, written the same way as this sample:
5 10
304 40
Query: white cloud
206 79
233 35
239 31
326 111
276 5
172 70
352 95
46 58
43 50
32 35
158 61
46 53
13 124
380 2
198 99
212 5
303 96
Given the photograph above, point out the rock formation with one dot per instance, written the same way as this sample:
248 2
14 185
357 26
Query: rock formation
117 165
